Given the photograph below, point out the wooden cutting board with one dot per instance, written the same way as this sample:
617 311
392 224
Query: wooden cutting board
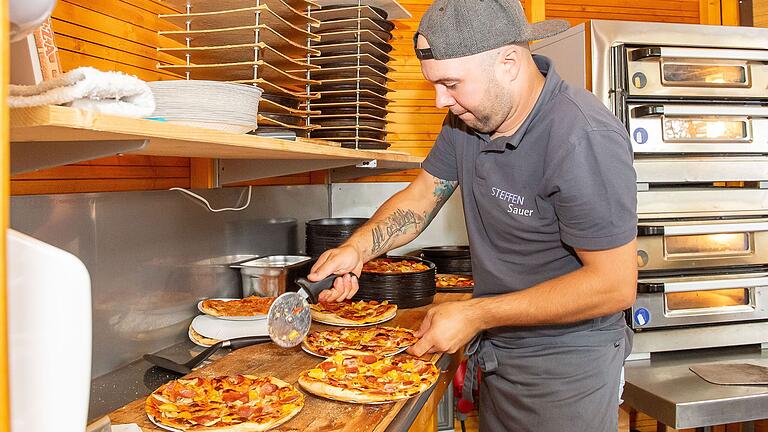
318 415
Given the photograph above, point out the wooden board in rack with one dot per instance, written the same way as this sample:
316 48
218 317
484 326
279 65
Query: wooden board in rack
394 9
292 45
316 105
215 5
273 107
241 17
266 121
277 90
241 71
235 53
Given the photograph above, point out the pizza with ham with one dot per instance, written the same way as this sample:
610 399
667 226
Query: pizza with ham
249 306
454 281
370 378
381 341
353 313
390 265
239 403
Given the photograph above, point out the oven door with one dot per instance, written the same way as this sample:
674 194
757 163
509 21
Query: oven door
696 72
698 129
704 299
697 244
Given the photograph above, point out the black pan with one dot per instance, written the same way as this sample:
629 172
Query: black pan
364 145
285 101
348 133
376 112
285 119
381 12
381 46
364 85
351 23
352 37
352 122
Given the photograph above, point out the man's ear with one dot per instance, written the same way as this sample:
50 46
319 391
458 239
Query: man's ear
511 58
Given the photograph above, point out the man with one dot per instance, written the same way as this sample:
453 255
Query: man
550 204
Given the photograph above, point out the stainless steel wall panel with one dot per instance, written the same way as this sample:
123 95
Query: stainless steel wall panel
153 255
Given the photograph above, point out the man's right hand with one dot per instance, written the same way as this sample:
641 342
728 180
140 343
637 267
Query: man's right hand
341 261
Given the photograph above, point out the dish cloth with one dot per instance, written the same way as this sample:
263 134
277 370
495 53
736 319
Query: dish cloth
732 373
89 89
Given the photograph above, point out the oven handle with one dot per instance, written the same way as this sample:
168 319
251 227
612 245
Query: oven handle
674 230
691 286
699 53
699 110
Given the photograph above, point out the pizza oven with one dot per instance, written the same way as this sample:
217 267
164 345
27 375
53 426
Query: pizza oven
696 111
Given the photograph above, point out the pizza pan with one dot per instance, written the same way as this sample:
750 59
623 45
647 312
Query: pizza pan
352 46
381 12
230 318
352 50
406 290
213 328
362 145
446 251
351 86
350 133
162 426
454 289
326 98
352 34
353 23
352 122
376 112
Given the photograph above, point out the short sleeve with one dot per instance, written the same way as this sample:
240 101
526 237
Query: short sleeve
441 160
596 192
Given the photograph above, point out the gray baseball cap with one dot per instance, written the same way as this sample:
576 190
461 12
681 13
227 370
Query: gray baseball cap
459 28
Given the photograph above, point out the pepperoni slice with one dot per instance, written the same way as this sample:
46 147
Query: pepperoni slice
368 359
267 389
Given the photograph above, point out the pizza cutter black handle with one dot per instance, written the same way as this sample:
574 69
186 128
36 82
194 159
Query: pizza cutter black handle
313 289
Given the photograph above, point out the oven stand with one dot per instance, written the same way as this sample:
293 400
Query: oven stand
744 427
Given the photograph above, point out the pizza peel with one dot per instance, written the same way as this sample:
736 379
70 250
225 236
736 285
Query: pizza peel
289 316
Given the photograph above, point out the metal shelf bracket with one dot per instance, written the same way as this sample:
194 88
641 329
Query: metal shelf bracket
28 156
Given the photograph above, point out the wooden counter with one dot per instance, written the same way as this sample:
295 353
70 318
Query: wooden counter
318 414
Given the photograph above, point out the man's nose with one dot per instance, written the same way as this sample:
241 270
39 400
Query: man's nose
442 98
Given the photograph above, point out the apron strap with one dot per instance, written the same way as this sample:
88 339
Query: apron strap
480 354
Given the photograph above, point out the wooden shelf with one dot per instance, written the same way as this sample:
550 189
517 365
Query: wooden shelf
56 135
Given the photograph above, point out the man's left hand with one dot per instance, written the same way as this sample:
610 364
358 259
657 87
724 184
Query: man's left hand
446 328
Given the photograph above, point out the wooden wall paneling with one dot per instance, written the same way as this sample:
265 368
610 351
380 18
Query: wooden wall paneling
729 12
709 12
760 13
5 148
578 11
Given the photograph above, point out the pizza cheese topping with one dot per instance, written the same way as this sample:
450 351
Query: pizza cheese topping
249 306
200 403
389 265
369 378
377 340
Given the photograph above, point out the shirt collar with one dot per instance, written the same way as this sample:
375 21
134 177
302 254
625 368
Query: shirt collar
551 82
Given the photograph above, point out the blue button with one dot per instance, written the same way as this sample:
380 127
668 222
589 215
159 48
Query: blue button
640 136
642 317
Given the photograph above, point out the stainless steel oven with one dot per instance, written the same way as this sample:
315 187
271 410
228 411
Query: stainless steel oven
695 72
667 128
694 100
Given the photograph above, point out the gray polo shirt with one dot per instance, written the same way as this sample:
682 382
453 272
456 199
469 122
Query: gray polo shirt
563 180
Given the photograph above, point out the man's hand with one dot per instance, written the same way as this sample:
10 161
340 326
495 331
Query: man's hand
446 328
341 261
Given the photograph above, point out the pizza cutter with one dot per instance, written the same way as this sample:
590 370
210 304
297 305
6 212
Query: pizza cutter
289 317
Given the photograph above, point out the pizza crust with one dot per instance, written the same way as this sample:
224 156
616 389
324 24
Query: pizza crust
345 395
331 318
317 348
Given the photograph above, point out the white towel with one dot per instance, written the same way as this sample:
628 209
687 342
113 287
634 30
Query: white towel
90 89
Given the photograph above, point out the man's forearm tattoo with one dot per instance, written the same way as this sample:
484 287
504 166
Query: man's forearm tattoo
399 222
443 190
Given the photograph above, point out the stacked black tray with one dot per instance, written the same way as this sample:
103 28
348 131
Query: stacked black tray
354 52
449 259
406 290
324 234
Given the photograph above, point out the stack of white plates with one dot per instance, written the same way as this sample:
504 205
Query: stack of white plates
207 104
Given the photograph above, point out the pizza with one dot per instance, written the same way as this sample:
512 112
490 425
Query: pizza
239 403
249 306
454 281
369 378
199 339
353 313
389 265
380 341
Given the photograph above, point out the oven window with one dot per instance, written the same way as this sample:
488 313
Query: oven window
701 129
706 75
714 245
707 299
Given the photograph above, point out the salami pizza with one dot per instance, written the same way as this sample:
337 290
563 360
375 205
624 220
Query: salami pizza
370 378
381 341
389 265
240 403
249 306
353 313
454 281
